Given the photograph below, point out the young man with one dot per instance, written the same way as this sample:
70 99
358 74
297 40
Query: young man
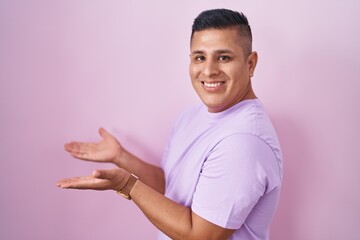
221 173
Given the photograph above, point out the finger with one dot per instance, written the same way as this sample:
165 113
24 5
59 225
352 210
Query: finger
96 174
72 147
71 182
118 177
82 156
83 183
105 174
84 151
104 134
79 147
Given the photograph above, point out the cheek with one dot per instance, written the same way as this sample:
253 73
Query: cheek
238 76
194 71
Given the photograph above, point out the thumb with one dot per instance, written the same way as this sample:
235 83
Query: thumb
104 174
103 133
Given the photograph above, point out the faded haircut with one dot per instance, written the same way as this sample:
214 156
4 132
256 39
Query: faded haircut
222 19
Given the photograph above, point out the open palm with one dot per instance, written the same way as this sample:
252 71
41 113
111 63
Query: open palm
112 179
107 150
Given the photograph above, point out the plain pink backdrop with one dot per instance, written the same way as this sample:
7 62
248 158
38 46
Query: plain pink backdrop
69 67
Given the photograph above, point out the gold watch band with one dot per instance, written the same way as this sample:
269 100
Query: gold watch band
125 192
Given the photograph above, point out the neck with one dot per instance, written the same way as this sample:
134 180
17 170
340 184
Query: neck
249 93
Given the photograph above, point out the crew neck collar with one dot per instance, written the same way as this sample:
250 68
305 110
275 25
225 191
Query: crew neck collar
219 115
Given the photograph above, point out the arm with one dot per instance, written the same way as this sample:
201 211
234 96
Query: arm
176 221
152 175
173 219
110 150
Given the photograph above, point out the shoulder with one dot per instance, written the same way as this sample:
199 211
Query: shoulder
242 148
249 126
245 157
248 117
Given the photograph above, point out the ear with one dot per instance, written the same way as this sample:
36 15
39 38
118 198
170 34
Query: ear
251 62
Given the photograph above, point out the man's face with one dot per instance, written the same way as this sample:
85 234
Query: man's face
219 71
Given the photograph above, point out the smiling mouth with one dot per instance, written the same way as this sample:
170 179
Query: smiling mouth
213 84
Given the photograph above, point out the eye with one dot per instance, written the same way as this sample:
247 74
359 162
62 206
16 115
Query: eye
224 58
199 58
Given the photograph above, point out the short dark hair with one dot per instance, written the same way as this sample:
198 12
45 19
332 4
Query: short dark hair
221 19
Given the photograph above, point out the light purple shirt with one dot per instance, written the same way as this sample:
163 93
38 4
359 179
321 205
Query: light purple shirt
227 167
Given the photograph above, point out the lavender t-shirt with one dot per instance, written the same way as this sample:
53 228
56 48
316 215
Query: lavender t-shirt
227 167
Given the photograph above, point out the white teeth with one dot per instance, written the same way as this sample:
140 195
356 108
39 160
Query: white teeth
212 85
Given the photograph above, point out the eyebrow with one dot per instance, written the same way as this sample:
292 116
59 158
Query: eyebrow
219 51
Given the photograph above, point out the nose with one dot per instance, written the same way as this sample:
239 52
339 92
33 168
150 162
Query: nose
210 68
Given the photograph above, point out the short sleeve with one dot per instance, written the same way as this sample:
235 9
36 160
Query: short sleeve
238 171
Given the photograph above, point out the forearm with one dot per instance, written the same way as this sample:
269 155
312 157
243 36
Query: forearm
171 218
151 175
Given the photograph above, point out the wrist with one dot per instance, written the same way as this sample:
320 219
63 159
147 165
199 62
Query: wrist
126 189
120 158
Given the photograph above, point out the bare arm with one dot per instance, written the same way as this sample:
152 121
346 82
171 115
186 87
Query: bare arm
150 174
175 220
110 150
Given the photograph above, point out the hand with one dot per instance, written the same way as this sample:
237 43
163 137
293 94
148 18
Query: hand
113 179
107 150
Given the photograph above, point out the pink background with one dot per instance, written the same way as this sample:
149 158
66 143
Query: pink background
69 67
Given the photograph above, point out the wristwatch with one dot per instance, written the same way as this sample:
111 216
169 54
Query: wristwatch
125 192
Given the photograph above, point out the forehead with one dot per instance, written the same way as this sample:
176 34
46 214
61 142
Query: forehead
213 39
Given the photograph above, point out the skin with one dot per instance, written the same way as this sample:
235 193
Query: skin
109 150
216 57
